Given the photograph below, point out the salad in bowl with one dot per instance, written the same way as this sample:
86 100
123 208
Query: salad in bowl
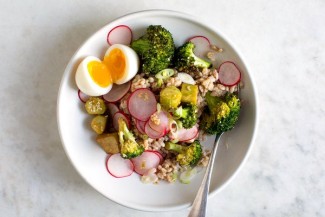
141 101
151 101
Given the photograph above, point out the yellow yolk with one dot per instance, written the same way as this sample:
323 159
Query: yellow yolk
115 63
99 73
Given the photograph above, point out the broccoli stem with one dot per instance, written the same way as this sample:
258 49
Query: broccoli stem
175 147
124 132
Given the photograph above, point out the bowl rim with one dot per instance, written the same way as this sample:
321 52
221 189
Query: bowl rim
195 20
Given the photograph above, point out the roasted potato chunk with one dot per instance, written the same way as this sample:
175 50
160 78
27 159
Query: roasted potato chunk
98 123
109 142
189 93
170 97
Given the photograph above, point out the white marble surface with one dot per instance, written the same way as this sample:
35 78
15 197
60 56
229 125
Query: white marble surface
283 41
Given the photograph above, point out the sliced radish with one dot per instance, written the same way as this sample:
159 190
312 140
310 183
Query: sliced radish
82 96
118 166
121 34
152 133
112 108
162 120
185 134
140 126
186 78
146 161
117 92
202 45
157 153
142 104
229 74
155 127
169 116
119 115
191 140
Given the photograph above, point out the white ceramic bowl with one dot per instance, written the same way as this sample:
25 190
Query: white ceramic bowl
89 159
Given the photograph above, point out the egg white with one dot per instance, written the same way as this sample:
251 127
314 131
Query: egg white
132 62
84 81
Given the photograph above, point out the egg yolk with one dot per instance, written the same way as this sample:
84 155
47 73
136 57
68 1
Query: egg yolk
99 73
115 62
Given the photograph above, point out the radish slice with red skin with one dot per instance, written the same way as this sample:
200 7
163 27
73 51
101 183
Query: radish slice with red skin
146 161
117 92
121 34
140 126
157 153
192 140
163 122
156 128
142 104
119 115
170 118
118 166
202 45
185 134
229 74
112 108
152 133
82 96
160 156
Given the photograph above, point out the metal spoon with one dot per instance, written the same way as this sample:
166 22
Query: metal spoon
199 206
200 202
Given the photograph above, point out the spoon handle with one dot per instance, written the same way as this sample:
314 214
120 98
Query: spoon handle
200 202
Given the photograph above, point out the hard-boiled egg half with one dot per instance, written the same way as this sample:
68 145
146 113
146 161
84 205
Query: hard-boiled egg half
122 61
95 77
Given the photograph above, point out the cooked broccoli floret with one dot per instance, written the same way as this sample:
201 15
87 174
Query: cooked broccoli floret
128 146
155 48
186 61
187 114
221 114
187 155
